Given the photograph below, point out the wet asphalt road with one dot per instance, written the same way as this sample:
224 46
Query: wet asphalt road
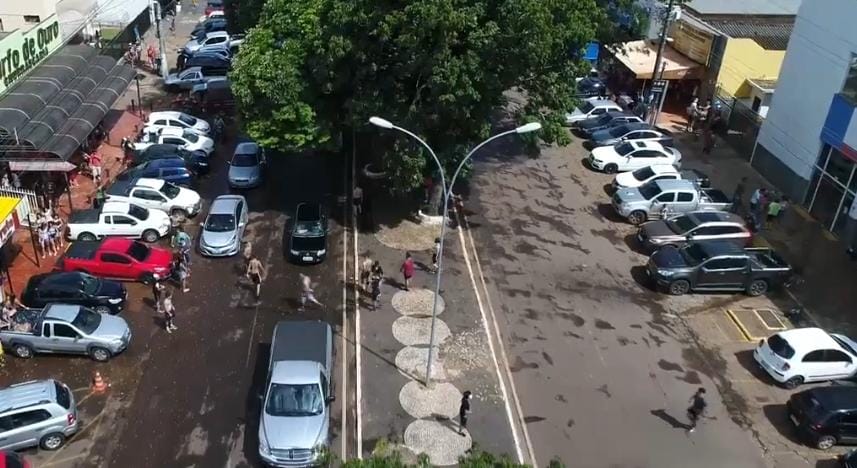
603 365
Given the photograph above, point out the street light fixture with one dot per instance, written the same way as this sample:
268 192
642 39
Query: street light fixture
447 192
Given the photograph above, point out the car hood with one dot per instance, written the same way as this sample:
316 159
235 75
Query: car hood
159 257
202 126
243 172
192 45
158 217
110 289
668 257
658 229
111 327
303 432
626 179
629 195
575 115
218 239
186 198
605 153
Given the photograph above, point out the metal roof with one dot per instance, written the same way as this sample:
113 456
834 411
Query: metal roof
770 35
744 7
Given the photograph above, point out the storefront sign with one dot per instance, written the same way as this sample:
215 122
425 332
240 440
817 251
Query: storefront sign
20 51
692 41
7 228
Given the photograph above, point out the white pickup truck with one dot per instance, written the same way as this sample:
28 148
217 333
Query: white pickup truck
156 194
120 219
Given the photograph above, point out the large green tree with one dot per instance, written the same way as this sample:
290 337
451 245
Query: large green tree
312 71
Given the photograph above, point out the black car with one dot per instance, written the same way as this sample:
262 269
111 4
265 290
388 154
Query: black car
211 64
609 120
849 459
197 160
207 26
591 86
825 416
308 240
101 295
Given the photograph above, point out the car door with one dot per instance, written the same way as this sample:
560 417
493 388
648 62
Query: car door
814 366
840 364
125 226
149 198
665 199
116 265
715 273
241 219
66 339
160 123
23 428
846 428
177 123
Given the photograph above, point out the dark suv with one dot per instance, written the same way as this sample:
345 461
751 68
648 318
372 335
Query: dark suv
825 416
73 287
308 240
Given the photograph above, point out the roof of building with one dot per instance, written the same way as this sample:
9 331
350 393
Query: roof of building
744 7
764 85
770 35
639 58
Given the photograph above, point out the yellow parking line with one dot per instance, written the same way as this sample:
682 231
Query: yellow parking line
741 327
781 327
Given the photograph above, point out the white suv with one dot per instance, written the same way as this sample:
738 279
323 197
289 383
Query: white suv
172 119
187 139
156 194
38 412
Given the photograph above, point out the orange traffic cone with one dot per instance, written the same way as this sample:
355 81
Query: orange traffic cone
98 383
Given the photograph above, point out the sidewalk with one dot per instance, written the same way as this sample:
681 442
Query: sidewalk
828 275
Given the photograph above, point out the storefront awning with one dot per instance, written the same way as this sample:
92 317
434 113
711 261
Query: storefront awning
639 57
7 222
40 166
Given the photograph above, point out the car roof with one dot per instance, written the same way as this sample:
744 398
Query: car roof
171 131
26 394
225 204
804 340
64 312
115 244
835 397
674 184
54 278
167 114
719 217
663 169
715 248
149 182
603 103
216 34
165 162
652 145
115 207
247 147
188 69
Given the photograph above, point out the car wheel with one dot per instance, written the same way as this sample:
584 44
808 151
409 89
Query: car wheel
22 351
679 287
87 236
99 354
757 288
103 310
52 441
793 382
179 214
151 235
637 217
611 168
825 442
147 279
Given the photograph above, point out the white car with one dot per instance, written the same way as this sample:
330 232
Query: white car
644 175
632 155
591 108
156 194
172 119
121 219
187 139
792 357
213 14
212 38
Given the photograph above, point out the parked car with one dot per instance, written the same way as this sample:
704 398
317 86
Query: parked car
644 175
209 63
609 120
174 170
173 119
186 79
178 202
825 416
718 266
197 161
214 96
637 131
590 109
246 166
800 355
187 139
101 295
212 14
224 226
121 259
216 50
295 422
308 239
217 23
213 5
36 413
120 219
698 226
632 155
214 37
66 329
849 459
591 86
667 197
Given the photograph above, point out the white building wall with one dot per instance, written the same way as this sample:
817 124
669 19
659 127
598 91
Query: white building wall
12 13
813 71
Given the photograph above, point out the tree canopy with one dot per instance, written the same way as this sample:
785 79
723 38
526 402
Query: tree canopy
311 71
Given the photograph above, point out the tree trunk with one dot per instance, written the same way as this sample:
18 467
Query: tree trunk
436 200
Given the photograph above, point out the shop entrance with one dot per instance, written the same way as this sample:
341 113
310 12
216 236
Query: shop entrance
832 189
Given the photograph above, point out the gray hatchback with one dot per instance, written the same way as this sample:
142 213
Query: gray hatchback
224 226
246 166
38 412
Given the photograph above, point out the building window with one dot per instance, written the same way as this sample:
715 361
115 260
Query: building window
850 88
32 19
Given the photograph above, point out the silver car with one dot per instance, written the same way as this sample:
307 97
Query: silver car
246 166
224 227
38 412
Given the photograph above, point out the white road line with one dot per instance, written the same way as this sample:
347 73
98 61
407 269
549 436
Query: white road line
343 346
491 344
252 333
503 355
357 340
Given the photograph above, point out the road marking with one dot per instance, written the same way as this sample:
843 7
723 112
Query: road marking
95 420
357 340
493 351
740 326
64 460
252 332
344 334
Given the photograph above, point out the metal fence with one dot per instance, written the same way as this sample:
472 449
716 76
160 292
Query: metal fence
743 123
29 203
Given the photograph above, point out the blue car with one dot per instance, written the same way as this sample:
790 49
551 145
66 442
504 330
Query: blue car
605 122
173 170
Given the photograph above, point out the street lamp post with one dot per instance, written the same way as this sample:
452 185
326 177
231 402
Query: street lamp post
447 192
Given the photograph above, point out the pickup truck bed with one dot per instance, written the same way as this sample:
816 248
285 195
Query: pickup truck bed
763 258
300 341
715 196
84 250
84 217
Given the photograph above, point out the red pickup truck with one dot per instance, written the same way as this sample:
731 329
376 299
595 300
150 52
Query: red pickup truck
118 259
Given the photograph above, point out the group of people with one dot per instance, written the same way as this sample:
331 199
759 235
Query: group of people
49 228
11 307
162 294
709 117
371 276
765 205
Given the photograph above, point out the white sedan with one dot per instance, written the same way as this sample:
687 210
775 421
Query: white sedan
173 119
632 155
645 175
187 139
793 357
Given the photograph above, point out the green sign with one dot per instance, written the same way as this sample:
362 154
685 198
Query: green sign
21 51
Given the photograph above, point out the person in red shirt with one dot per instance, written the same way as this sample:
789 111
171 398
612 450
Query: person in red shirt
94 160
150 51
407 269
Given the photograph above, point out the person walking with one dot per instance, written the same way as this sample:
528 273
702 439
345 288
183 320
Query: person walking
256 272
357 198
463 411
407 270
169 312
307 292
158 289
94 161
697 407
851 231
45 240
435 255
99 197
738 195
754 199
365 273
183 268
692 115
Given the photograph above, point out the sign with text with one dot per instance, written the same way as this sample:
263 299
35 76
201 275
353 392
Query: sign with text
21 51
692 41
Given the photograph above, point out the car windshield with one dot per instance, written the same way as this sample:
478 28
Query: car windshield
780 347
220 222
681 225
186 119
307 244
643 174
170 190
138 251
619 131
86 321
649 191
694 254
294 400
244 160
89 284
604 120
586 107
190 136
624 149
138 212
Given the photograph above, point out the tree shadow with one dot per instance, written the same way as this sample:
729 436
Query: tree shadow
640 274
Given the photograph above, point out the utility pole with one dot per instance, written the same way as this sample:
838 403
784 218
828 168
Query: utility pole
657 72
162 48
